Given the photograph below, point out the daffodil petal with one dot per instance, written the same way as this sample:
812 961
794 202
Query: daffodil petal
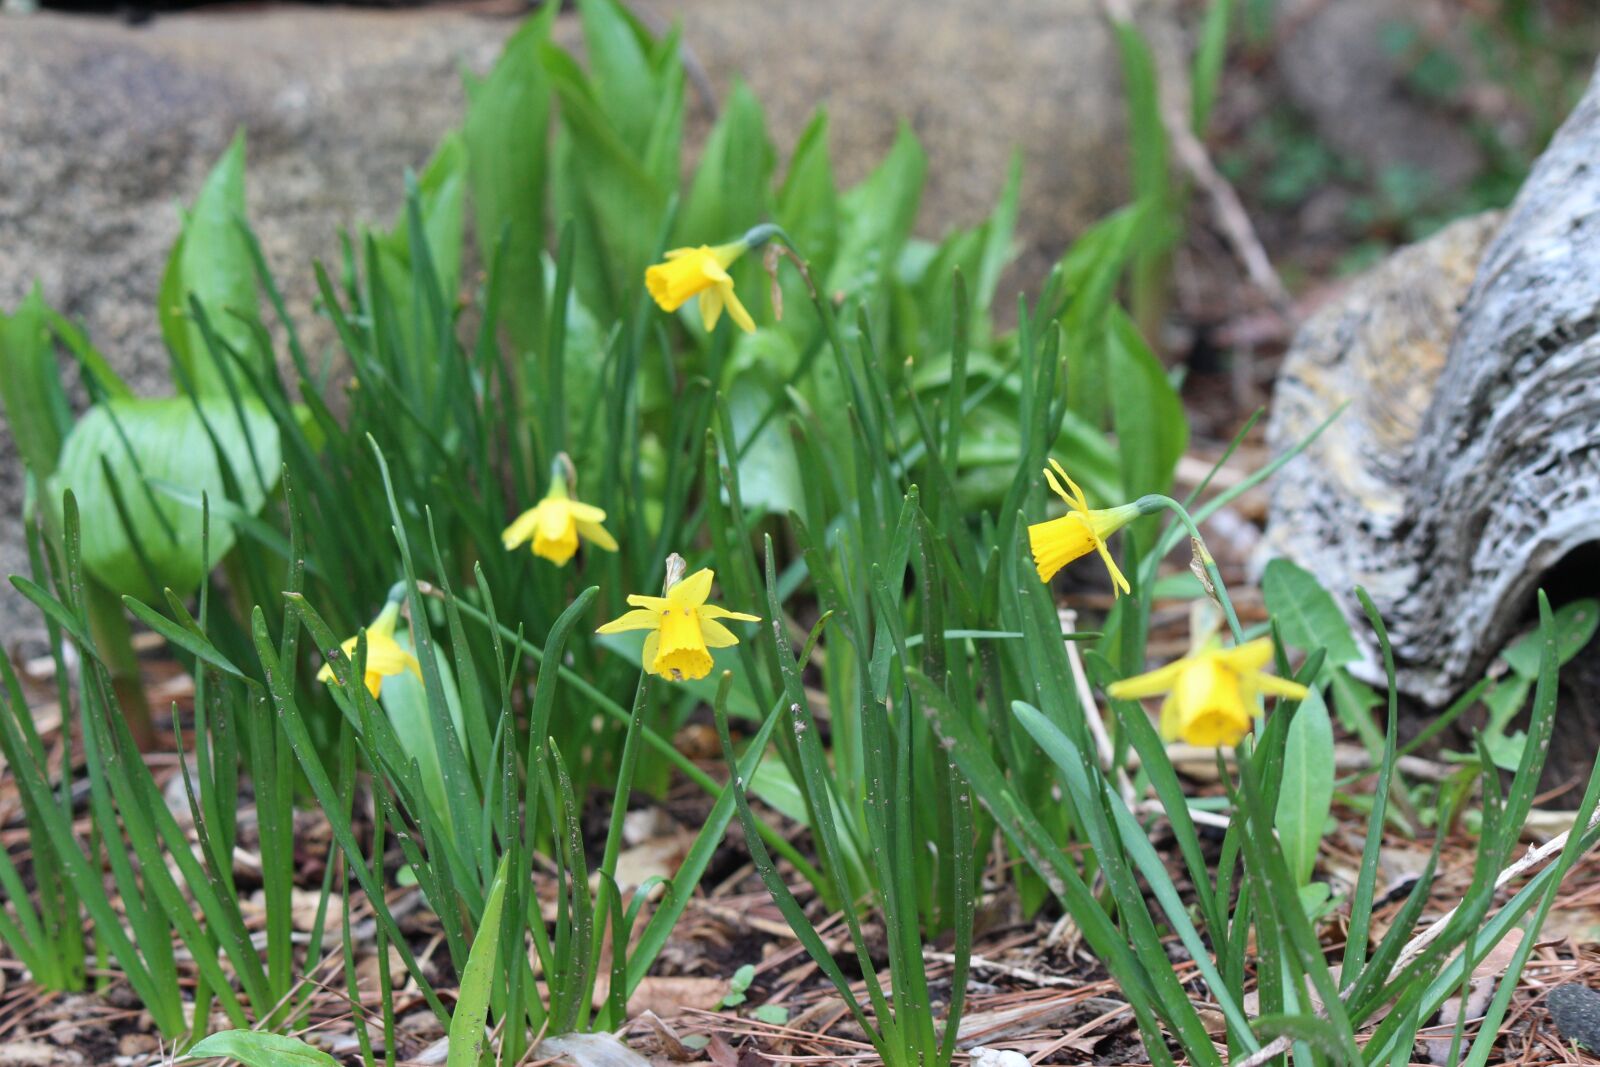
654 603
521 528
736 310
1118 582
1250 656
597 535
1279 687
1078 499
712 611
647 655
638 619
582 512
716 634
1169 718
710 308
1055 486
693 590
1148 684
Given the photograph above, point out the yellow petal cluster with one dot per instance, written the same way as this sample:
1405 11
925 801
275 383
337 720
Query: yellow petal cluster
1211 694
683 628
384 654
1057 542
555 524
702 272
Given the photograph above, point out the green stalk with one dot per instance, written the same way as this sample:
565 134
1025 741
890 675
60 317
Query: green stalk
113 637
619 812
1218 589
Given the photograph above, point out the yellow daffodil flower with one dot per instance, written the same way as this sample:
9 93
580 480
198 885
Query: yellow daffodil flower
384 654
1057 542
683 628
702 272
555 523
1211 694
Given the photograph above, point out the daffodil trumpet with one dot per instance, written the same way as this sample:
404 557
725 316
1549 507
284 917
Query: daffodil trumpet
682 627
555 523
702 271
1211 694
385 657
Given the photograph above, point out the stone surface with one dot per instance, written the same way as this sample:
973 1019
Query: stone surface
974 79
1334 65
105 128
1454 488
1575 1008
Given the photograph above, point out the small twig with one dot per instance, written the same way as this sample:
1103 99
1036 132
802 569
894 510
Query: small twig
1091 709
1191 154
1276 1047
1021 974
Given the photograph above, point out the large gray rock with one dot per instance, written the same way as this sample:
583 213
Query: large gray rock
106 128
974 78
1467 469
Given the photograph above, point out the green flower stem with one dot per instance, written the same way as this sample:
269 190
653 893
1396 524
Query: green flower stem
1149 505
113 637
712 787
619 812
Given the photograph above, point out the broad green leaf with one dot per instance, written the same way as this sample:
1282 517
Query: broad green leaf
212 262
255 1048
618 47
1152 430
443 186
472 1002
1574 626
808 203
997 237
1306 614
439 202
161 440
507 140
622 203
877 216
584 350
1307 791
729 193
34 404
769 471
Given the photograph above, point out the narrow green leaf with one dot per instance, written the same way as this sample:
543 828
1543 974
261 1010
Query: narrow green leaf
472 1002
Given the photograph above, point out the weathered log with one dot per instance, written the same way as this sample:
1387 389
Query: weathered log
1467 467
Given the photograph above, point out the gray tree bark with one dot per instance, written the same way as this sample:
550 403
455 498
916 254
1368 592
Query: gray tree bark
1451 490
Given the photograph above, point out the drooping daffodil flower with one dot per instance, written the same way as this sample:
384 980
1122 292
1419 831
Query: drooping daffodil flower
1057 542
385 657
1211 693
555 523
683 627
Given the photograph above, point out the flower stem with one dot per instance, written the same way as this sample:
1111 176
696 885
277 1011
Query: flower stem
1219 591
